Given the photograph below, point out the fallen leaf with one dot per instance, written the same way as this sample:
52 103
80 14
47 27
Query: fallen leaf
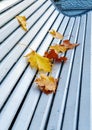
58 48
46 84
22 21
53 55
56 34
39 62
64 46
68 44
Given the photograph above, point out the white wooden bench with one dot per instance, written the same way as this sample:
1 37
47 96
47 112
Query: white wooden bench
22 105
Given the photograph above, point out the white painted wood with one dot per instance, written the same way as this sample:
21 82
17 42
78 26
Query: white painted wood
85 99
11 108
69 107
71 110
43 107
31 100
12 25
14 11
34 44
18 49
5 4
56 114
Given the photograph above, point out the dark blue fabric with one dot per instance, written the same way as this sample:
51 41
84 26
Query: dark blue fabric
76 4
75 7
74 12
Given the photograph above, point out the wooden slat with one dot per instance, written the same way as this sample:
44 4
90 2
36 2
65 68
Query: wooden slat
71 108
85 91
5 5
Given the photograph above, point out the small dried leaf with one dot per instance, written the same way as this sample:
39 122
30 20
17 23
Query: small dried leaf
46 84
39 62
58 48
56 34
53 55
68 44
22 21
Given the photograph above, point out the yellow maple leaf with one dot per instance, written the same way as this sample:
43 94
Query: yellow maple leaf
58 48
39 62
22 21
47 84
56 34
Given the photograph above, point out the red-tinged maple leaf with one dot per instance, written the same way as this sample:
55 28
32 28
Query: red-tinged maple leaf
51 54
54 55
68 44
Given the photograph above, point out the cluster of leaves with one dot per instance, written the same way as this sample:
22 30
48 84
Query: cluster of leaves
47 84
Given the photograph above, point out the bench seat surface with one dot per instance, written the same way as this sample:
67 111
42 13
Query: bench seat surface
22 105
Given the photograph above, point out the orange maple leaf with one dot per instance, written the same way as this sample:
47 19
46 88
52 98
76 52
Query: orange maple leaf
46 84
